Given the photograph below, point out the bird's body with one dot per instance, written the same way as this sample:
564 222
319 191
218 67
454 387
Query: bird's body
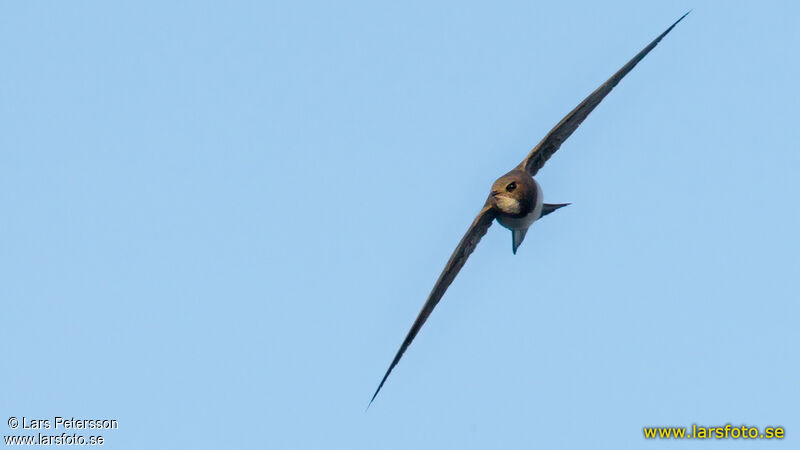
516 199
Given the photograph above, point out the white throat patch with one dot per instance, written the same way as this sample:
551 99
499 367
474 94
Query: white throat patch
507 204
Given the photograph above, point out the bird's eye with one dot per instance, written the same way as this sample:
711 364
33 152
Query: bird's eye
511 186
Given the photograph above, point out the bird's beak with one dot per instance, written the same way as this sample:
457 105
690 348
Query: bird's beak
494 193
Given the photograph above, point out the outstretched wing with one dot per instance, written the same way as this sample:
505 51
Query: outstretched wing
545 149
468 243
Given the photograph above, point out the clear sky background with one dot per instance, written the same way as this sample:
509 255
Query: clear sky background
219 221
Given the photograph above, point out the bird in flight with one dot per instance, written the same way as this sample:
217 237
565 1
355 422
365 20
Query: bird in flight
515 200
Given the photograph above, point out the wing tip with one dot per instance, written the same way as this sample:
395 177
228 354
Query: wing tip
385 377
666 32
677 21
376 392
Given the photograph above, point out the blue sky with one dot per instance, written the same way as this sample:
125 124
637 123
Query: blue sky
220 219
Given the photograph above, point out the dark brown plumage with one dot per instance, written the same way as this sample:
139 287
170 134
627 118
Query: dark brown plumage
552 142
515 198
467 245
519 186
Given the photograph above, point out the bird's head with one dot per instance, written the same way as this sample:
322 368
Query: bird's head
512 192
